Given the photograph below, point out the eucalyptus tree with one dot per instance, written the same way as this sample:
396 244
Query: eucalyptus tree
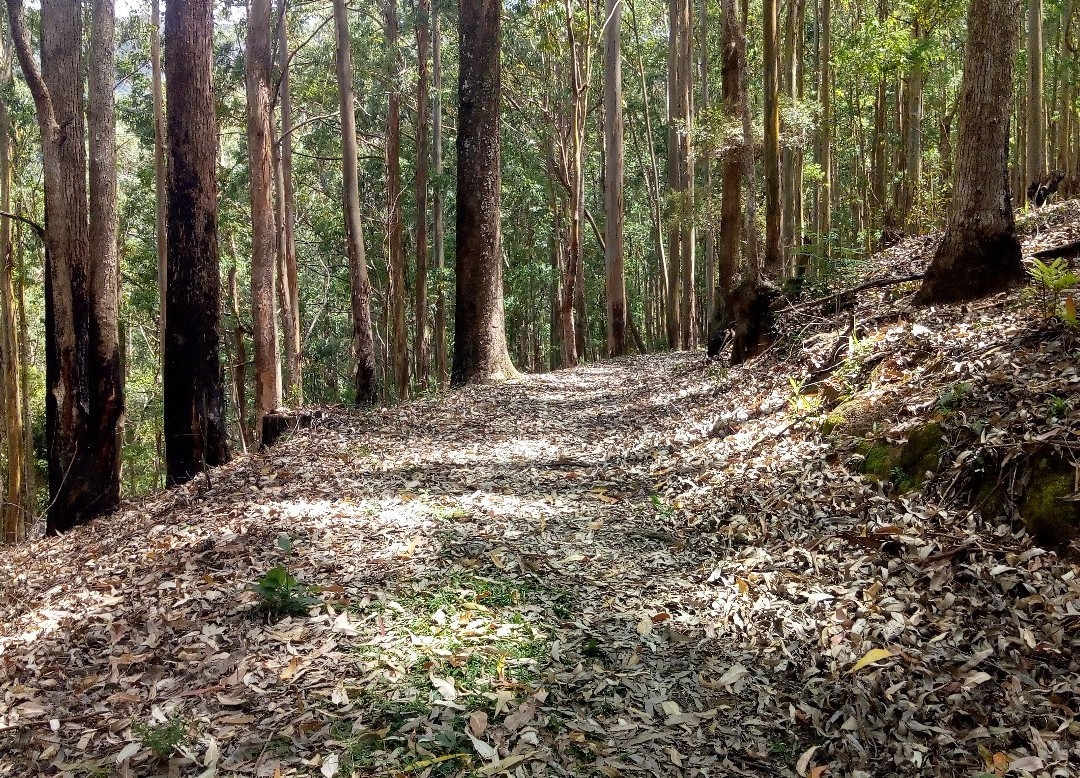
480 352
193 383
84 401
979 253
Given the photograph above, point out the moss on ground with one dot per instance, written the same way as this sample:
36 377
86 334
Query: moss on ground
1045 513
905 465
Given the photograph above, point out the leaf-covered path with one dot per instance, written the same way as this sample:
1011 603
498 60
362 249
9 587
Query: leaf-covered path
644 567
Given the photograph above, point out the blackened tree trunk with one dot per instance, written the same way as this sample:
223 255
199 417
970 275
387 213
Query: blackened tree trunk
258 56
360 286
771 89
980 254
194 390
83 463
480 352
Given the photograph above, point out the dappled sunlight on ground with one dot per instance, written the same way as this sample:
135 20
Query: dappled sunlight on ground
652 566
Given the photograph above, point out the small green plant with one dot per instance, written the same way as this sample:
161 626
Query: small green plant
280 594
802 404
1056 408
664 509
952 398
162 740
1052 279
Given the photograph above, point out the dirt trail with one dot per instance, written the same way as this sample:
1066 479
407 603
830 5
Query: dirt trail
643 567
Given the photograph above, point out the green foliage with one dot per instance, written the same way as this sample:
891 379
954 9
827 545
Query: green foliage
1051 279
280 594
162 740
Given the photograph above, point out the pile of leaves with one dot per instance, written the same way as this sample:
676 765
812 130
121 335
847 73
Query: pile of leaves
650 566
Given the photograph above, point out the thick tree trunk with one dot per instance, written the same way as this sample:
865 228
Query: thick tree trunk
980 254
421 349
106 376
439 238
82 446
363 342
399 345
194 387
289 279
480 352
729 250
257 62
613 182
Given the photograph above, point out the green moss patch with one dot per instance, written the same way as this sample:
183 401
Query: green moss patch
1045 512
904 465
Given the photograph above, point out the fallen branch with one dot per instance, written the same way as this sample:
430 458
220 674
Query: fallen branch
836 297
1066 250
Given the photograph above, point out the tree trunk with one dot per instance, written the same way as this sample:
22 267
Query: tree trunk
907 213
439 238
239 367
674 175
729 249
825 140
399 348
687 240
613 182
160 233
774 260
289 280
980 254
106 376
81 427
652 176
194 398
421 348
480 352
257 60
16 507
1036 112
363 342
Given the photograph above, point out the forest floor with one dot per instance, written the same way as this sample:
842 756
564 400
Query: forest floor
651 566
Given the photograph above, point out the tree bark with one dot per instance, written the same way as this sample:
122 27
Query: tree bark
16 506
363 343
194 390
439 238
1036 112
239 366
480 352
106 376
82 448
825 140
979 253
421 348
399 348
615 280
257 63
160 206
774 260
289 278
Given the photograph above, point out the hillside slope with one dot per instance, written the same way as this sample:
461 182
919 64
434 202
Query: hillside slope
651 566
